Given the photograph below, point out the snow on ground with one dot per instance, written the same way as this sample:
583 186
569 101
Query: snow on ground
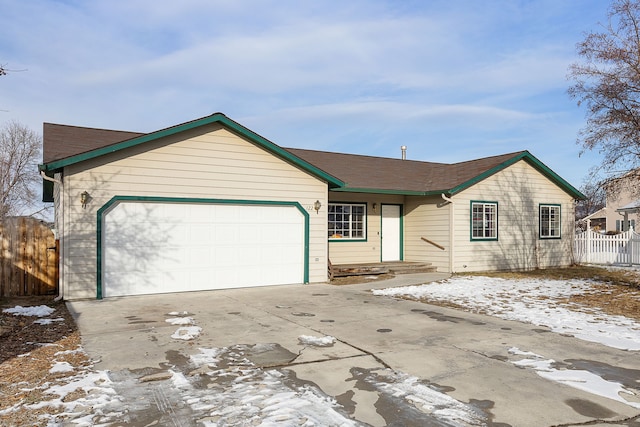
326 341
576 378
180 321
531 301
39 311
224 388
538 301
186 333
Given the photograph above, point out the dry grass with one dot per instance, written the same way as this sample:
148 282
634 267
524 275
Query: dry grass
617 291
27 353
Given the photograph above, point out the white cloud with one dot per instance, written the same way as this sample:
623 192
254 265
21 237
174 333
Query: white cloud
356 74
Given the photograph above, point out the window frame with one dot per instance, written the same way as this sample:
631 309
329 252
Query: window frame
362 205
472 221
550 206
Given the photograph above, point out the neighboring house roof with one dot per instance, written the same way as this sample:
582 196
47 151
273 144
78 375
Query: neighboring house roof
66 145
631 207
600 213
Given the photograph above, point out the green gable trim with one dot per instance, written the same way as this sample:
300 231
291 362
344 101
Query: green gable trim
529 158
104 209
214 118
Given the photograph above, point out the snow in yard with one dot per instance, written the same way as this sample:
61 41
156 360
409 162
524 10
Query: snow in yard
37 311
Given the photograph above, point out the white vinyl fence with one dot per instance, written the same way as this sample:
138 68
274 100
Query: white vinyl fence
595 248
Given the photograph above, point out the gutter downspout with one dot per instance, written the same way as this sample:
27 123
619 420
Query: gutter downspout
55 181
451 231
48 178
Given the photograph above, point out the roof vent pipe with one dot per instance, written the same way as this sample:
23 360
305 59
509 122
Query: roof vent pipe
404 152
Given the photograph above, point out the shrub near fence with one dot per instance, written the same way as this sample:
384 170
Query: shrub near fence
595 248
28 258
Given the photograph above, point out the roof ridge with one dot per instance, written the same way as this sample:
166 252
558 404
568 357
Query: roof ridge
510 155
364 155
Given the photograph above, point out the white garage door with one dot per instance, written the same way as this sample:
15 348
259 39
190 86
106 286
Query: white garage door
174 247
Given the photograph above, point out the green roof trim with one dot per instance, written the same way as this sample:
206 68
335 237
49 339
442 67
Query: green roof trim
214 118
533 161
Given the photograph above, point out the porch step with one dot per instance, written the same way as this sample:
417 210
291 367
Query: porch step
399 267
411 267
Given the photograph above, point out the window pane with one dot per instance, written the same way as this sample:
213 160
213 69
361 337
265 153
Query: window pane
484 220
347 221
550 221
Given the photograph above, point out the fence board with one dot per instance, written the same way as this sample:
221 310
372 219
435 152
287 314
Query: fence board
28 258
595 248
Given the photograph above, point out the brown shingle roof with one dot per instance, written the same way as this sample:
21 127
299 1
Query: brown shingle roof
62 141
344 172
380 173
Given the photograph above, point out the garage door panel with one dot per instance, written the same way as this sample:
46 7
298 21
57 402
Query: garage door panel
165 247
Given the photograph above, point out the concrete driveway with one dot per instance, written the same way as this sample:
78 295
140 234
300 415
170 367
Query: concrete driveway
463 355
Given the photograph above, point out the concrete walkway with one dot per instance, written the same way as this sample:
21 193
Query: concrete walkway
463 354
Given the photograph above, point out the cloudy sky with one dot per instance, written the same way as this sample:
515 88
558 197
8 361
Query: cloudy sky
451 79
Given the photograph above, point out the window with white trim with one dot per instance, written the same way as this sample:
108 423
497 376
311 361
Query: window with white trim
550 221
347 220
484 221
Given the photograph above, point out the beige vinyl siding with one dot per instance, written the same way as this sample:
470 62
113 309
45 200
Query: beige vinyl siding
428 217
209 162
369 250
518 190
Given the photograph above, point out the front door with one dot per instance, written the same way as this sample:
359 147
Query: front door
391 235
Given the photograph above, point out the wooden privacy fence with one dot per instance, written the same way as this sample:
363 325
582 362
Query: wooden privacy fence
595 248
28 258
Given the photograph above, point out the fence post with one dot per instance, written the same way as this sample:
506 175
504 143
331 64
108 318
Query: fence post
588 250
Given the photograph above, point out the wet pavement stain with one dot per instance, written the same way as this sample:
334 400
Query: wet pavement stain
346 401
441 317
589 409
486 406
176 359
268 355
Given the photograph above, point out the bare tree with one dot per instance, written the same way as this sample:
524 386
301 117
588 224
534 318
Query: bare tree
596 198
19 155
607 82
